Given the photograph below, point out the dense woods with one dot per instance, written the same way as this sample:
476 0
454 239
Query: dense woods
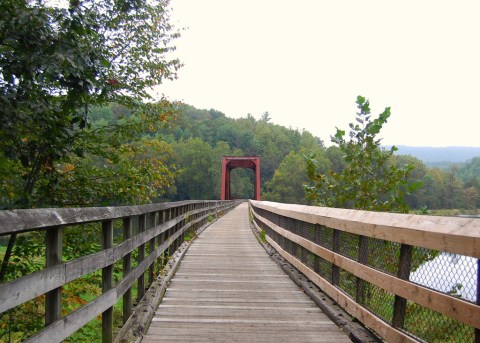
191 146
128 161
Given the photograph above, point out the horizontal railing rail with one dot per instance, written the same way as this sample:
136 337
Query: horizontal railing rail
407 277
160 230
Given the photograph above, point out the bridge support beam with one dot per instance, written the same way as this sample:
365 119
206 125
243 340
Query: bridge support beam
231 162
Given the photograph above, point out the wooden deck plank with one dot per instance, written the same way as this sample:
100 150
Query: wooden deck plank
227 289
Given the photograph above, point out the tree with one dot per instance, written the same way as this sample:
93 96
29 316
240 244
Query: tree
197 179
56 63
266 117
433 193
416 176
453 190
289 179
368 181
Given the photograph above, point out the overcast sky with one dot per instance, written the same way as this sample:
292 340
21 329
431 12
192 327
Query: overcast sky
305 62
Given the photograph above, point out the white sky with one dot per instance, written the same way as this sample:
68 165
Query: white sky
305 62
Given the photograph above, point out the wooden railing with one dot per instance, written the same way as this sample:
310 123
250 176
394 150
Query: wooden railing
160 229
407 277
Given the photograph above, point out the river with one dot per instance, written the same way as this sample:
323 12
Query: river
449 273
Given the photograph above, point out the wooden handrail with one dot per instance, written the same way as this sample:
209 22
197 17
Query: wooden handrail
449 234
443 234
164 228
23 220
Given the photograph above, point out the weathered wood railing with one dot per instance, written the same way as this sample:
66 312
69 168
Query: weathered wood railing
389 271
159 227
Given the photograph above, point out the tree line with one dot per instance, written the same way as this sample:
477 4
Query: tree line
126 157
195 141
127 160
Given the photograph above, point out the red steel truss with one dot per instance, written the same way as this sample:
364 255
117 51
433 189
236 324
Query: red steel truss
231 162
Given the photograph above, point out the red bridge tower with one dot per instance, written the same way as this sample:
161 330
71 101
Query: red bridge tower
231 162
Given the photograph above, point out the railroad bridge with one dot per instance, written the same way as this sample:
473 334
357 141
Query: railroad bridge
255 271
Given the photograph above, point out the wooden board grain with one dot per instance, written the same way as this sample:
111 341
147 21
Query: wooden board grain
459 309
448 234
228 289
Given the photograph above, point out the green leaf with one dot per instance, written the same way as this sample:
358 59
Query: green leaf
368 180
360 100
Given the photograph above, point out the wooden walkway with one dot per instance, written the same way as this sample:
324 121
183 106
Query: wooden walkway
227 289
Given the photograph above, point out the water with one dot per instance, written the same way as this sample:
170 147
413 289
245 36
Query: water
449 273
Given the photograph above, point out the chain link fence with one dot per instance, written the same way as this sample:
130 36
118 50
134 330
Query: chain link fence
453 275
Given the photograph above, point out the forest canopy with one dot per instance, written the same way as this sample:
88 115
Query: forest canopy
198 138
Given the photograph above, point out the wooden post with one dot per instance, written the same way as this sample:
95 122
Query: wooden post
160 220
127 268
141 256
196 216
53 256
107 282
477 331
317 240
336 248
184 222
163 237
400 304
178 227
171 248
151 248
363 259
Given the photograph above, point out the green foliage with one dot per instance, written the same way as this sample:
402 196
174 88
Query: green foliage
432 326
245 135
211 135
199 171
57 66
81 240
289 179
470 170
190 235
134 172
273 143
77 123
262 236
368 181
17 324
27 255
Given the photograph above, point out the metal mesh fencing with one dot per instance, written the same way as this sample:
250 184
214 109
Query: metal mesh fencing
451 274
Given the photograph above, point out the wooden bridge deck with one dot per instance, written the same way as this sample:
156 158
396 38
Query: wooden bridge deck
228 289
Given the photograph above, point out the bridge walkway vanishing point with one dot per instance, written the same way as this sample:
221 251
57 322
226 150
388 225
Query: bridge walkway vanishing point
228 289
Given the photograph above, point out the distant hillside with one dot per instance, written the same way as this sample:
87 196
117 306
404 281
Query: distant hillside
435 155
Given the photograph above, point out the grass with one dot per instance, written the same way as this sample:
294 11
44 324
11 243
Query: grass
447 212
262 236
190 235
